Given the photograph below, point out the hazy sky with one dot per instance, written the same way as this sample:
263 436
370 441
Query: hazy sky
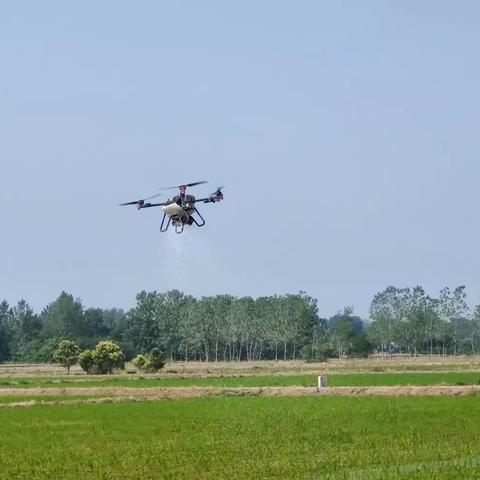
346 133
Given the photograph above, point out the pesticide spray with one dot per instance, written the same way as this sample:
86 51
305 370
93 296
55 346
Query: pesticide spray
185 258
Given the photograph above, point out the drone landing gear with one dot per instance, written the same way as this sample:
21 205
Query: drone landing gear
179 224
201 218
162 228
176 222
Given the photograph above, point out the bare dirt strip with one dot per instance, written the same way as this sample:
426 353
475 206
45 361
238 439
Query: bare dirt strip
103 394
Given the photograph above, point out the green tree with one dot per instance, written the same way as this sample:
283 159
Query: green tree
4 331
24 327
387 310
170 311
87 362
221 305
452 307
93 323
189 339
157 359
342 331
67 354
143 330
39 350
63 318
302 311
475 327
413 325
107 356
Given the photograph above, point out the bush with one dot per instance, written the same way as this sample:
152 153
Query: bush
361 346
151 362
107 356
86 361
139 361
157 359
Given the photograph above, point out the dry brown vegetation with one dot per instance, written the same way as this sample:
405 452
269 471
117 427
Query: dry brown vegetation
126 394
297 367
40 395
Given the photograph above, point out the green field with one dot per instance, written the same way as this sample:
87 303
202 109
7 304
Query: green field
225 438
238 437
335 379
44 398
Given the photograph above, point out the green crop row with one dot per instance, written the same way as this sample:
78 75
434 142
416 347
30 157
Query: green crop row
337 379
247 437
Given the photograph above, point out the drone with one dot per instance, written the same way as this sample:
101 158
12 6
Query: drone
180 211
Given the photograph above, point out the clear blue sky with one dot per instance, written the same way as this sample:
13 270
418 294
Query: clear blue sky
346 134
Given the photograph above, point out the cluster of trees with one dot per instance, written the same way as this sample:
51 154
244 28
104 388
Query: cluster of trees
104 358
227 328
217 328
405 320
30 337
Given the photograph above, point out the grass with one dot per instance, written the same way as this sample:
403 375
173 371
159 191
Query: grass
44 398
404 378
236 438
335 380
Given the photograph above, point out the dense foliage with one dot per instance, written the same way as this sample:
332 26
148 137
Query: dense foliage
227 328
104 358
67 354
150 362
412 322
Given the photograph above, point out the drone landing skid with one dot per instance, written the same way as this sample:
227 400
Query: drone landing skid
179 224
175 221
201 218
162 228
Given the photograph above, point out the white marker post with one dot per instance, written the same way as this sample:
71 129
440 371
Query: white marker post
322 382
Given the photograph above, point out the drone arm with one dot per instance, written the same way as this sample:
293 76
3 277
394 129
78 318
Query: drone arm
210 199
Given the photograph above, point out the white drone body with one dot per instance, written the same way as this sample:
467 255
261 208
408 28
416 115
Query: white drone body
173 209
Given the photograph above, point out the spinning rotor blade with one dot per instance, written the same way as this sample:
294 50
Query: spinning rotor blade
153 196
219 190
185 185
140 202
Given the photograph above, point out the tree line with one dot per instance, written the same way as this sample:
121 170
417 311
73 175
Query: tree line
409 321
228 328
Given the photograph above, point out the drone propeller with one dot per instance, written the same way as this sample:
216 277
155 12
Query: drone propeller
185 185
139 203
216 196
219 190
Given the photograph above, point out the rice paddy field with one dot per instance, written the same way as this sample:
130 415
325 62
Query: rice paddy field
335 380
50 430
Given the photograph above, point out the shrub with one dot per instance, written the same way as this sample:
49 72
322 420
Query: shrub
86 361
107 356
139 361
157 359
150 362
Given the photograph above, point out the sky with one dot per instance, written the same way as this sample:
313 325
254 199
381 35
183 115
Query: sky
345 133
